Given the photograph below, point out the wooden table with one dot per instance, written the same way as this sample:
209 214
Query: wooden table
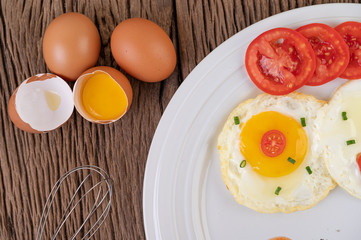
31 163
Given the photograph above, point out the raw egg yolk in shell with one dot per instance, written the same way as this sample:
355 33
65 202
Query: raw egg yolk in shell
103 98
273 144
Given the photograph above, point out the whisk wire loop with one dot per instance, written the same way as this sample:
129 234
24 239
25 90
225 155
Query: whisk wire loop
66 214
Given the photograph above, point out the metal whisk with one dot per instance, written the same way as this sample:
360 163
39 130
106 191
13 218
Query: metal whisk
99 184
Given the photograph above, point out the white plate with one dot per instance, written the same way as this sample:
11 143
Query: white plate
184 196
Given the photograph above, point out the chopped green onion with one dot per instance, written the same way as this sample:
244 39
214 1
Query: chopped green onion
236 120
309 170
344 116
277 192
349 142
303 122
243 164
291 160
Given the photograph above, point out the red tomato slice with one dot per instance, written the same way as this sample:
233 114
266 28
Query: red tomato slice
351 33
358 160
273 143
332 54
280 61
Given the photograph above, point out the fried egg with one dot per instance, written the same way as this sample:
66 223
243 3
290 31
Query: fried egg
268 154
340 124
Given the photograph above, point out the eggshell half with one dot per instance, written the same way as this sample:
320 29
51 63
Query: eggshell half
28 108
116 76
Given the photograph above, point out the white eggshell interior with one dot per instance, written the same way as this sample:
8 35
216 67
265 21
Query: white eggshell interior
32 106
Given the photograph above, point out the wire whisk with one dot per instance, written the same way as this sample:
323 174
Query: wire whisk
94 191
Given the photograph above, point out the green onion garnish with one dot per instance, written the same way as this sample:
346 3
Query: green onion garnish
344 116
291 160
303 122
309 170
236 120
349 142
243 164
277 192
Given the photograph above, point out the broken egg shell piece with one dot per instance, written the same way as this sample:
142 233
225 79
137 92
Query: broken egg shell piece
41 103
15 118
113 73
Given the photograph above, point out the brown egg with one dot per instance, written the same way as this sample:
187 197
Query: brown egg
143 50
102 94
71 45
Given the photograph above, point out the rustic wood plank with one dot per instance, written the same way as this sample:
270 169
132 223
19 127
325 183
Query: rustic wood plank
30 164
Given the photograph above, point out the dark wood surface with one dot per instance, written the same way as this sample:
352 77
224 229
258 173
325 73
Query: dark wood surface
31 163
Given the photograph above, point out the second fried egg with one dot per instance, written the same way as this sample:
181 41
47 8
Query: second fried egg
340 124
268 154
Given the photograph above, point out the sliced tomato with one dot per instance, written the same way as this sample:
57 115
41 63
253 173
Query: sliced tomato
273 143
280 61
351 33
358 160
332 54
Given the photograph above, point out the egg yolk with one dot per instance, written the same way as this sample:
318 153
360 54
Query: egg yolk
273 144
103 98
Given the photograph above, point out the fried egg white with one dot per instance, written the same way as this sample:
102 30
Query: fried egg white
338 132
256 184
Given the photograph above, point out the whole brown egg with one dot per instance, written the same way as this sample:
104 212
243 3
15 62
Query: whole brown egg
71 45
143 49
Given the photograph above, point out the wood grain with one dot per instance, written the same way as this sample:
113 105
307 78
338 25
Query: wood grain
31 163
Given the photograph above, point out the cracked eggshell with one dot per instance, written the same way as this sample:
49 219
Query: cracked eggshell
41 103
116 75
